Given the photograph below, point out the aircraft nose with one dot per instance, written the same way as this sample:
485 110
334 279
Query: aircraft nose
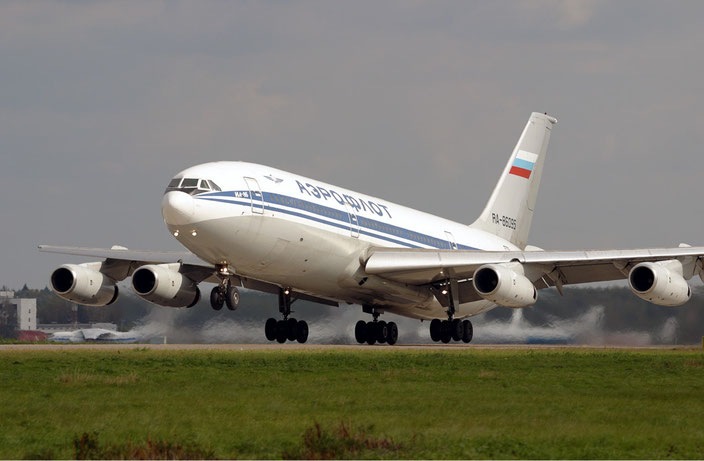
177 208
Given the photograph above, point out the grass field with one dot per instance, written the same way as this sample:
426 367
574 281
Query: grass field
352 404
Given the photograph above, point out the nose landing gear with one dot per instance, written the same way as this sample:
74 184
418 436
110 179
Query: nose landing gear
225 294
288 329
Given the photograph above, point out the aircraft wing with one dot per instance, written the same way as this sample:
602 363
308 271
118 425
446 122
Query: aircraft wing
544 268
120 262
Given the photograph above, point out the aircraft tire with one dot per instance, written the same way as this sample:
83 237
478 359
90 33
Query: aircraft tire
446 332
382 331
270 329
370 333
393 333
281 333
302 331
360 332
216 299
232 298
435 329
467 331
291 329
456 329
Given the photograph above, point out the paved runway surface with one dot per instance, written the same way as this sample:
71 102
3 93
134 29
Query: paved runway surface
324 347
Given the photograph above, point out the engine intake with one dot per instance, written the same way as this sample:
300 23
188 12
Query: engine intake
660 283
82 284
505 285
162 285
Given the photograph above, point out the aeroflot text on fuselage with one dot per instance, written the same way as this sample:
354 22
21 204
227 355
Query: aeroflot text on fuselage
357 203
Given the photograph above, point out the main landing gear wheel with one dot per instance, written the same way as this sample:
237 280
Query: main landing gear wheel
217 298
270 329
286 330
373 332
467 331
435 329
451 330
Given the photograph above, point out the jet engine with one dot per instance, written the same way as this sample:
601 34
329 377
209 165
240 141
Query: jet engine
160 284
82 284
505 285
660 283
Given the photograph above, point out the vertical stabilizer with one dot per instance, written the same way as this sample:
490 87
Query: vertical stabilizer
510 209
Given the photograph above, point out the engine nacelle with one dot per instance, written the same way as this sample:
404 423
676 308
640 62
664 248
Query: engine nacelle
660 283
83 284
505 285
162 285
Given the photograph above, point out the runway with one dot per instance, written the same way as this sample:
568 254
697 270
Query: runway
328 347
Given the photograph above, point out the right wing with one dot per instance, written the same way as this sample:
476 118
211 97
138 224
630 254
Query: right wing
120 262
543 268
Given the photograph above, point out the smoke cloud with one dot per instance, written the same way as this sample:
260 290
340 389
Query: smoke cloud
336 326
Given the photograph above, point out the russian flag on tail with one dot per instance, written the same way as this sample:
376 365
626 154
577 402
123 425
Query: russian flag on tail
523 164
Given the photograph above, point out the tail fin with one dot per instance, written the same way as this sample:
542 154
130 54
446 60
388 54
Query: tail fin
510 209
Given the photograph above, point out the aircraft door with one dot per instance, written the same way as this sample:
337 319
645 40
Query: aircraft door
451 240
255 195
354 221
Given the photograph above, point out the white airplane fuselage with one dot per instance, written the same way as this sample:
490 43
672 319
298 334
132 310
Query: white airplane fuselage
285 229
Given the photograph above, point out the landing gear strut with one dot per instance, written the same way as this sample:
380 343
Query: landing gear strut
451 329
288 329
375 331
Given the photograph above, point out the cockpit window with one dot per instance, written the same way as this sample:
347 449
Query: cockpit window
192 186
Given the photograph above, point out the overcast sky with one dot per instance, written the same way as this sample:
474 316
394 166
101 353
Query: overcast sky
416 102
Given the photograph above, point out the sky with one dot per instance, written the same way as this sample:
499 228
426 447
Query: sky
417 102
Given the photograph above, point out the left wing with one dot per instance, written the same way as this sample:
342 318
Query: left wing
543 268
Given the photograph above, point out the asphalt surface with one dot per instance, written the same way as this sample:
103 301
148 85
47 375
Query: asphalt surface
323 347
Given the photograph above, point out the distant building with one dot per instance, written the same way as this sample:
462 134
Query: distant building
17 313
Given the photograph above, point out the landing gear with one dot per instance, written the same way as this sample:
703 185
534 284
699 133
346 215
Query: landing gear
225 293
217 298
451 330
287 329
376 331
232 297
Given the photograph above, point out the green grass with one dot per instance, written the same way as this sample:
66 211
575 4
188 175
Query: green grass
352 404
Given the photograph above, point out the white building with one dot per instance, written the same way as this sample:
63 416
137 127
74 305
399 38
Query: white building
25 309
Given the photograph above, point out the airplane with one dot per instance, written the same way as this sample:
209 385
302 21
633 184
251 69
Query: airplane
94 335
253 226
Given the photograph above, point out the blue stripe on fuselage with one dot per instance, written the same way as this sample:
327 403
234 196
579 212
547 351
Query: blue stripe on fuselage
381 230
